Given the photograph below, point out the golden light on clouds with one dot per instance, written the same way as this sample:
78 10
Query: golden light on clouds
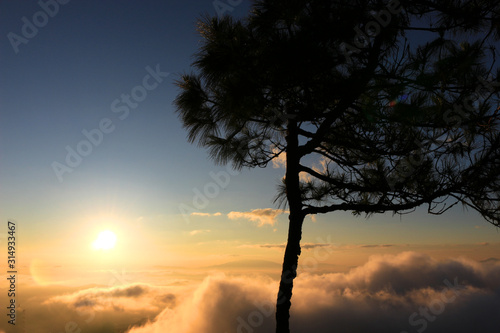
266 216
106 240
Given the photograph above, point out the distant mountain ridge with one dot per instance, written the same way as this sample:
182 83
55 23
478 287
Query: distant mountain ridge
247 264
490 260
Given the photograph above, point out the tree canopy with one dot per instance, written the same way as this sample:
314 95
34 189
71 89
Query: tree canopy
398 101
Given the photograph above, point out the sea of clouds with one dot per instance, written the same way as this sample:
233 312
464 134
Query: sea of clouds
404 293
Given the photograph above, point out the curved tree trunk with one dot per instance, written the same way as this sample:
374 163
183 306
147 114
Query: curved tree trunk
296 218
289 272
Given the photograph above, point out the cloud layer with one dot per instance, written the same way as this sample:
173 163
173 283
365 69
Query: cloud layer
131 298
409 292
405 293
57 308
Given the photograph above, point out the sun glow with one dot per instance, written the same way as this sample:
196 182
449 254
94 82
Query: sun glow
106 240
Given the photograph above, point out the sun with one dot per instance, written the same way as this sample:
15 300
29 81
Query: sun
106 240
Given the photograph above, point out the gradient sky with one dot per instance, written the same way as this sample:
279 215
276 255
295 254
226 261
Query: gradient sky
137 180
65 79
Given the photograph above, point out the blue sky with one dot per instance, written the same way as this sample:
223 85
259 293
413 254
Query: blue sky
65 79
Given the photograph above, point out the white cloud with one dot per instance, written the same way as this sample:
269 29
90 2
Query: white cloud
196 232
409 292
205 214
261 216
280 161
99 309
129 298
219 304
320 166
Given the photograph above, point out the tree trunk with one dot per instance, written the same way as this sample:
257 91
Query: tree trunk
296 218
289 272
